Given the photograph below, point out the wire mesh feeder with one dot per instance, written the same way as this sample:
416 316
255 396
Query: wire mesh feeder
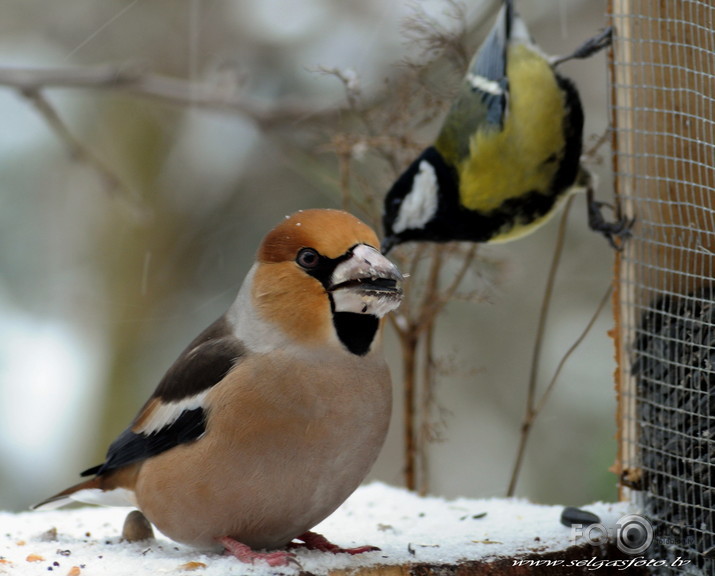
675 391
663 113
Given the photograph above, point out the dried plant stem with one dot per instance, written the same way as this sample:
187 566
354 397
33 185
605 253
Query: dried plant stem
469 256
427 404
409 342
429 306
530 412
547 392
416 332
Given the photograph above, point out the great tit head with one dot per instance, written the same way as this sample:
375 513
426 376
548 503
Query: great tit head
413 204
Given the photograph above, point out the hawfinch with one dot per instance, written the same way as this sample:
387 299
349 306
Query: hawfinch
275 413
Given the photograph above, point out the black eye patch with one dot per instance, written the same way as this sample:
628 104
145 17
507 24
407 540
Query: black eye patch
318 266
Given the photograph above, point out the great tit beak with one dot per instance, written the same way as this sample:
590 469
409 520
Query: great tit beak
388 244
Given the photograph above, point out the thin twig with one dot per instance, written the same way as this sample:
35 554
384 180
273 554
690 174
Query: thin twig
113 183
547 392
529 414
431 296
448 293
435 300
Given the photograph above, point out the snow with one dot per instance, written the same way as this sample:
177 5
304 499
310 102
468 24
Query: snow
408 529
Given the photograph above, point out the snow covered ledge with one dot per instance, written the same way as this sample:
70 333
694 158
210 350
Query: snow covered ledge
417 536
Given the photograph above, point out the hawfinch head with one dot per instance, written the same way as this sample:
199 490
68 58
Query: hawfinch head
320 279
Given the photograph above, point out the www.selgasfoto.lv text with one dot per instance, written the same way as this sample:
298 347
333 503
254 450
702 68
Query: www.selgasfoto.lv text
597 563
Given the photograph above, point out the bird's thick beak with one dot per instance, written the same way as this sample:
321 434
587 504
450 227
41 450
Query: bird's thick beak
366 283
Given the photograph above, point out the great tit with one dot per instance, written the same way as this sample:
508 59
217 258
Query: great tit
508 151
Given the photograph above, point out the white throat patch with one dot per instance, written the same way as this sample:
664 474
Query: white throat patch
420 204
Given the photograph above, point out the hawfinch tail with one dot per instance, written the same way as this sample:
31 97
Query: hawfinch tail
275 413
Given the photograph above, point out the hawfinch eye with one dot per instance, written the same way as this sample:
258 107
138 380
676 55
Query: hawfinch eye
308 258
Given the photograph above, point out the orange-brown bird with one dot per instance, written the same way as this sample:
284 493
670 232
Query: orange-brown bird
274 414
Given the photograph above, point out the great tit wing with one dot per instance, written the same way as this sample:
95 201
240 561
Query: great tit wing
483 95
489 62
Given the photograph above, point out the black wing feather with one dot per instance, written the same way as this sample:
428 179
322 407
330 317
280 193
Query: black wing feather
202 364
131 447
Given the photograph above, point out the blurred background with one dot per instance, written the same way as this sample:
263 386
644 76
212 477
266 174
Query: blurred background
102 285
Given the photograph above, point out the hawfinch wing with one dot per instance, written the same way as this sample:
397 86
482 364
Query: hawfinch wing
175 413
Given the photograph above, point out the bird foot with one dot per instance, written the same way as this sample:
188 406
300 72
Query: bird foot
246 554
314 541
619 229
588 48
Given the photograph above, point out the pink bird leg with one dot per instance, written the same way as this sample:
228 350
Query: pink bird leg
314 541
246 554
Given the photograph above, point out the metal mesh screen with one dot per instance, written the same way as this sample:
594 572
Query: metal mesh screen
663 112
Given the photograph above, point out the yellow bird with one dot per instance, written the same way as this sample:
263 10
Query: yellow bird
508 151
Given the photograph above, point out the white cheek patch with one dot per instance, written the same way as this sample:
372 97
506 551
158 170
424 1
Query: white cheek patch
420 204
167 413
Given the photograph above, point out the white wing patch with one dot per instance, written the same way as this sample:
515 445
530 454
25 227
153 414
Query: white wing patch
484 84
420 204
166 413
116 497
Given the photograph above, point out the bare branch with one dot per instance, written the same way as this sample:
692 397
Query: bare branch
171 90
33 83
112 183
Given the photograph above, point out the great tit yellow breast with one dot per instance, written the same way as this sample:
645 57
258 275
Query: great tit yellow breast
525 154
